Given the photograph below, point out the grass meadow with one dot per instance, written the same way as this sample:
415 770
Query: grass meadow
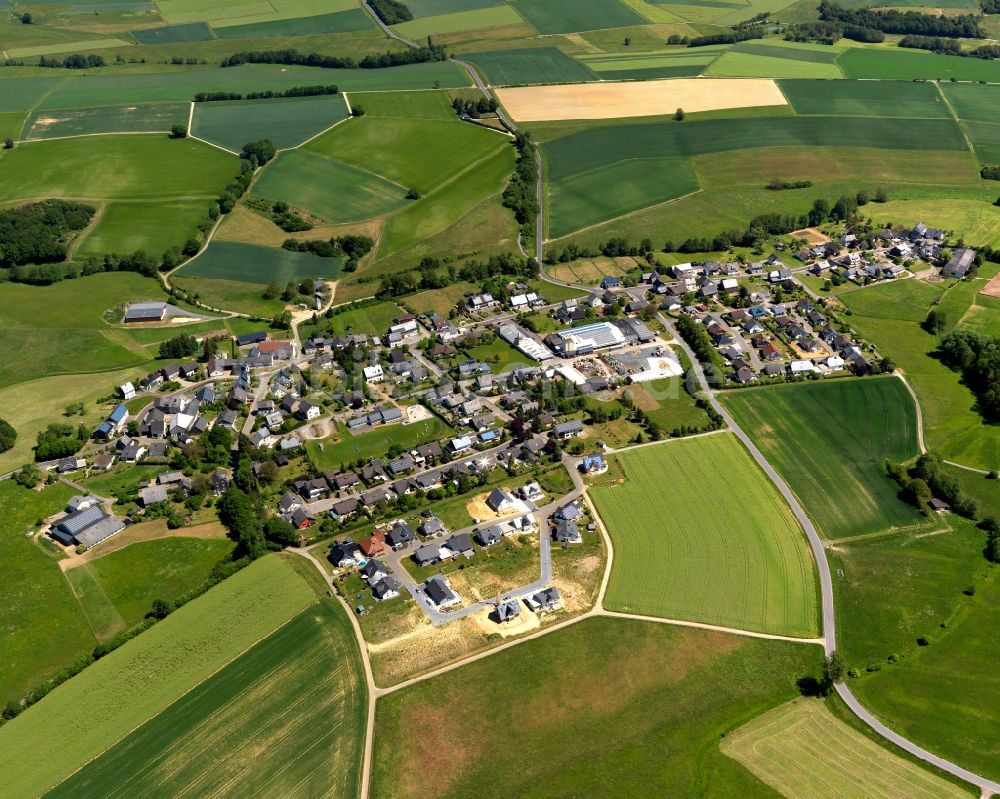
865 98
153 227
419 154
296 700
153 118
115 168
372 319
117 590
287 122
668 403
42 626
566 16
328 455
926 695
802 750
497 16
251 263
142 678
235 295
714 543
327 188
347 21
830 441
889 316
588 727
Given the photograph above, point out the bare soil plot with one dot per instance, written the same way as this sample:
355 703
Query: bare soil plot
992 289
637 99
810 235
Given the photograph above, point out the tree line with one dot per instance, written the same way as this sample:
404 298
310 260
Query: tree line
831 32
73 61
391 12
977 356
38 233
429 274
268 94
520 195
963 26
729 37
291 57
944 46
352 248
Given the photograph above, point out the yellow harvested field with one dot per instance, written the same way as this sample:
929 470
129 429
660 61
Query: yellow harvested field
805 752
637 98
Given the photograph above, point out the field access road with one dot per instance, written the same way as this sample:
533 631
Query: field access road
829 629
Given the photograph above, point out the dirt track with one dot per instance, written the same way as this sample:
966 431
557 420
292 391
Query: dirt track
637 98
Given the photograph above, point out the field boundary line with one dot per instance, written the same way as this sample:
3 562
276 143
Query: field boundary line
92 135
317 135
180 696
955 118
191 117
42 98
626 216
212 144
712 627
86 616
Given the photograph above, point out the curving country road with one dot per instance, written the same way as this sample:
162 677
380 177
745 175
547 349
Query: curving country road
988 787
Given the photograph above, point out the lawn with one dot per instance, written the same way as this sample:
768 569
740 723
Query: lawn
296 700
885 64
579 701
607 192
668 403
115 168
152 227
154 118
501 355
437 212
330 455
286 122
153 87
946 696
830 441
568 16
123 690
714 543
372 319
952 426
421 154
327 188
251 263
802 750
42 628
528 66
864 98
122 585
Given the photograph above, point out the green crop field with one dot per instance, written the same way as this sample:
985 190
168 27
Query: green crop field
589 198
534 65
619 66
568 16
22 94
896 593
174 34
581 707
152 227
830 442
70 336
598 146
973 101
866 62
287 122
250 263
985 139
327 455
328 189
42 626
430 8
416 153
142 678
445 207
115 168
111 89
757 64
889 316
715 543
405 105
802 750
349 21
499 16
120 587
296 700
88 121
864 98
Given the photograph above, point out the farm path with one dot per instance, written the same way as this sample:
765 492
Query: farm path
826 593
